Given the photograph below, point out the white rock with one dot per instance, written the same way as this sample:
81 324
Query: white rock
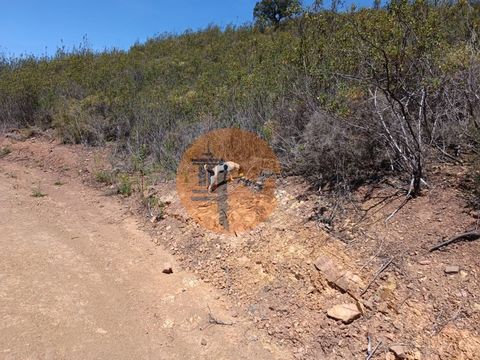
400 351
345 312
452 269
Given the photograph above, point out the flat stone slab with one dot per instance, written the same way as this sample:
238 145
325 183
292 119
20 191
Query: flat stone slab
345 312
452 269
344 280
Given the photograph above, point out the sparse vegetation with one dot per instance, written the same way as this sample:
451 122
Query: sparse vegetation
343 97
125 185
106 177
475 198
37 192
4 151
59 183
154 206
473 191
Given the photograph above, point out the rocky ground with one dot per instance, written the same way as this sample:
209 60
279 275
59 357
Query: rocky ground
337 294
322 288
79 280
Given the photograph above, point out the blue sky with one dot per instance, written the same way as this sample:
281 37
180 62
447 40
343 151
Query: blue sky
39 27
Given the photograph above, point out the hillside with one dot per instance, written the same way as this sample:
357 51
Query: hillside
379 90
355 139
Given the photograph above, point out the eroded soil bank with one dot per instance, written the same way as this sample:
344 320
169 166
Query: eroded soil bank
79 280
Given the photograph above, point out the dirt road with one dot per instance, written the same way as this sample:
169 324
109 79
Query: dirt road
79 280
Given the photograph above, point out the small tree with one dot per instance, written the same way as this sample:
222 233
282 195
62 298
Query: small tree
272 12
406 62
398 66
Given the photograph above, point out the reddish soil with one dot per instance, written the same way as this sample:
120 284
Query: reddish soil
79 280
269 276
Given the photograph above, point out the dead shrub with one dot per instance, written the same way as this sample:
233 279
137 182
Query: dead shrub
333 151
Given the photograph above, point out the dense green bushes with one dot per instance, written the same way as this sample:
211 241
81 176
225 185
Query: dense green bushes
160 94
343 97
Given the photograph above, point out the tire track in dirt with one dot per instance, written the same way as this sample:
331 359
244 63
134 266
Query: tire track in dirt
79 280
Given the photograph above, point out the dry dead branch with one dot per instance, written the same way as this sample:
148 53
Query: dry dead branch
382 269
438 328
467 236
214 321
398 209
371 353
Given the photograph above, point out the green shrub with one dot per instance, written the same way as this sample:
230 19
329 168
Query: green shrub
38 193
105 177
156 98
125 185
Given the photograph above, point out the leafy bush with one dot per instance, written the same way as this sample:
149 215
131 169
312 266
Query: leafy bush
272 12
125 185
37 192
341 96
105 177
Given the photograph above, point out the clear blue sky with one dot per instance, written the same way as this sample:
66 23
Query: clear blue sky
38 27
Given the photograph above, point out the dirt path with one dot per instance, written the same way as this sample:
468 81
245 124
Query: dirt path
78 280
